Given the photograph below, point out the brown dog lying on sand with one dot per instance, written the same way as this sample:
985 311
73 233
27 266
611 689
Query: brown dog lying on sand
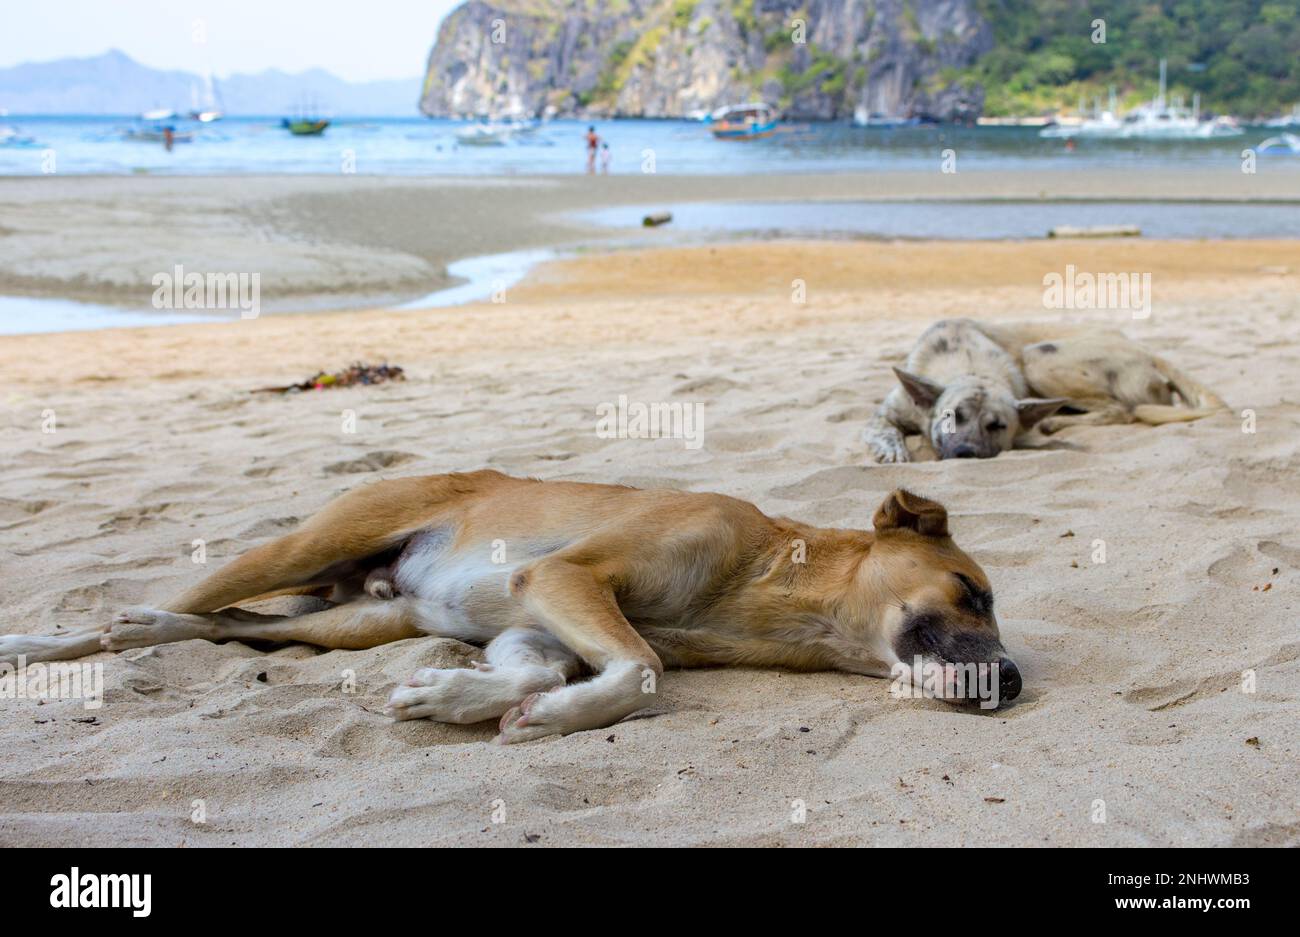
971 388
555 576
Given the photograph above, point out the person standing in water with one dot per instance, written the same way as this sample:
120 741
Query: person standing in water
593 144
606 157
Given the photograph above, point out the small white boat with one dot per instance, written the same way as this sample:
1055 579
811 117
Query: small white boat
9 137
484 135
1105 124
1285 120
876 121
1220 127
159 113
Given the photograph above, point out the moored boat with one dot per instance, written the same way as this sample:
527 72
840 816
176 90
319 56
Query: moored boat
877 121
1285 120
1286 144
305 127
206 108
9 137
744 121
483 135
157 133
1159 119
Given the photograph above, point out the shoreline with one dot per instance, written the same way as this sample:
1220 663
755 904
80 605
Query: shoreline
347 242
745 265
951 278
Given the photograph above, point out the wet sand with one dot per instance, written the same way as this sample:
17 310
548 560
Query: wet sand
352 241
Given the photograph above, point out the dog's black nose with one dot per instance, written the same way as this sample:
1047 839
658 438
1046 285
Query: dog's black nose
964 452
1008 679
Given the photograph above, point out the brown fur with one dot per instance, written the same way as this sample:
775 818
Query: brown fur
657 578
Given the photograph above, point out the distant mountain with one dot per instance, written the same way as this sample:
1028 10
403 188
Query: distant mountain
113 83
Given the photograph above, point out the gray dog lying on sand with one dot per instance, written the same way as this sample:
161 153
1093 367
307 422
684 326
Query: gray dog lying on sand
971 388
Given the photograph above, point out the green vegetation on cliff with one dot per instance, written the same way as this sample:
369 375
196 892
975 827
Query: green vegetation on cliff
943 58
1243 56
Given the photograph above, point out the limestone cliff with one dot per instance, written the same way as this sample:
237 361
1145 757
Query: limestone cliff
817 59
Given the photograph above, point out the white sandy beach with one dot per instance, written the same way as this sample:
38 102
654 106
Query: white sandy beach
1133 667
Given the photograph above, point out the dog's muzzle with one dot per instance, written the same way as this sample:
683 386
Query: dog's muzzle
1009 682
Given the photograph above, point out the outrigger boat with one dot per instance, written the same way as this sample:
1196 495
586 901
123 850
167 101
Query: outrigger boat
483 135
157 133
744 122
498 131
1287 144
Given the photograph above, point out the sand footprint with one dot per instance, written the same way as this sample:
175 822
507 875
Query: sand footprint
370 462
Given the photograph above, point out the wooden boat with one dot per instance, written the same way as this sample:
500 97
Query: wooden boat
744 122
303 127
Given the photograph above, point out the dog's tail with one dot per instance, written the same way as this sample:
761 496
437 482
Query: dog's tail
1200 400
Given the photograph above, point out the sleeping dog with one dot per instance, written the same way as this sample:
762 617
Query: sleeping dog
560 577
971 388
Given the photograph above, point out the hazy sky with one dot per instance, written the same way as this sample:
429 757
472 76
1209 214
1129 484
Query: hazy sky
356 39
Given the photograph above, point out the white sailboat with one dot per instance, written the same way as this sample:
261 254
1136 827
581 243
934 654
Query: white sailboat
207 108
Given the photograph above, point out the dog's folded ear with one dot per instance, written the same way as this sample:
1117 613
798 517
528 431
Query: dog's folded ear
902 509
1033 409
924 392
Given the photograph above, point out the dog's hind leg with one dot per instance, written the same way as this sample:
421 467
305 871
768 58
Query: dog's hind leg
518 662
576 603
353 626
354 530
1106 413
1195 394
33 648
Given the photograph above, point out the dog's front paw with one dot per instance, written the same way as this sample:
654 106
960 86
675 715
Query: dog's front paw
418 702
890 452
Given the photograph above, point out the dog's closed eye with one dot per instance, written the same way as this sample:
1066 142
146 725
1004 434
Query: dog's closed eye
976 598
